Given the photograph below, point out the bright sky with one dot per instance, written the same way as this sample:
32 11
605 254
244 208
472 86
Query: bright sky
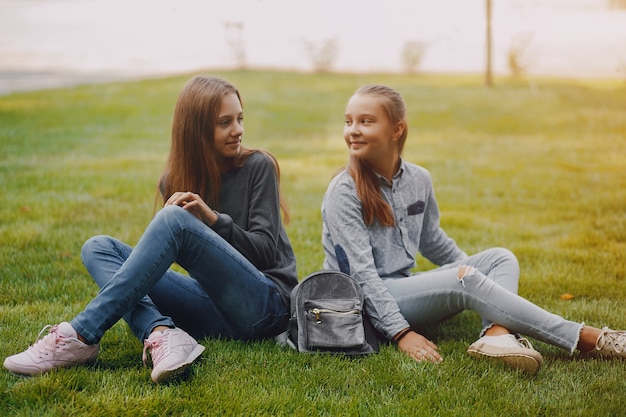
574 37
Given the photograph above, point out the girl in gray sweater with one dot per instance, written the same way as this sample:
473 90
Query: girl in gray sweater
221 221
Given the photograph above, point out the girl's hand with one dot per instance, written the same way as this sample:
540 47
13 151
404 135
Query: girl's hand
419 348
194 205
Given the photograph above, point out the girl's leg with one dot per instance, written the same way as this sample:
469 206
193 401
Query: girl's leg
185 301
175 300
103 256
499 265
229 280
430 297
256 311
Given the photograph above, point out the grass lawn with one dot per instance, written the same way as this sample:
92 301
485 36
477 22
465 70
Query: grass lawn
541 171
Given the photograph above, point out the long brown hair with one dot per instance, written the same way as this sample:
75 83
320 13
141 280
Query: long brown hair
192 164
366 180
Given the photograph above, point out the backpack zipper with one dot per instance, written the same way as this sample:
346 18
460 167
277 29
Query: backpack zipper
318 312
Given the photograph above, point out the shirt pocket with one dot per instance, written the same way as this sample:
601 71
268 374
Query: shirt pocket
416 208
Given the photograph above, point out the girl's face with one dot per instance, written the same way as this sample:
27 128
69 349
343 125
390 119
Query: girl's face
368 131
229 127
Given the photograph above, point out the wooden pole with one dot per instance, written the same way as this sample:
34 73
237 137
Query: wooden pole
488 51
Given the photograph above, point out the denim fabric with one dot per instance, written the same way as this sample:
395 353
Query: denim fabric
223 296
369 252
491 291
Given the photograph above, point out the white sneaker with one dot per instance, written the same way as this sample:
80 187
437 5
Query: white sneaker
172 352
610 343
60 348
506 348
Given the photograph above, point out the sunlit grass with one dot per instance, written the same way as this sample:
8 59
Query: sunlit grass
539 169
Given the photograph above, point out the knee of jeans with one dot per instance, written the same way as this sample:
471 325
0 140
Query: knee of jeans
465 271
503 255
92 245
171 211
172 215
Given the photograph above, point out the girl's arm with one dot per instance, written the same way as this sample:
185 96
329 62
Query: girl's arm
347 248
255 199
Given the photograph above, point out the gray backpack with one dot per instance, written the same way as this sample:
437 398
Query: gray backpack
327 316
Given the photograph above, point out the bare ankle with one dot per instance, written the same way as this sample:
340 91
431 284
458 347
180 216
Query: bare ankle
588 338
160 329
497 330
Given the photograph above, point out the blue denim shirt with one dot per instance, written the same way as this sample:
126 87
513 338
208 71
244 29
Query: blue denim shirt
369 253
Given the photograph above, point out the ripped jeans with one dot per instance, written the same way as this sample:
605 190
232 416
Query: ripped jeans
223 296
488 287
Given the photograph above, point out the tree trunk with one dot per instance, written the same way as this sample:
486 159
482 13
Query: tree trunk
488 58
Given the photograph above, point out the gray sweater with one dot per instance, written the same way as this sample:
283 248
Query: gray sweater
371 253
249 219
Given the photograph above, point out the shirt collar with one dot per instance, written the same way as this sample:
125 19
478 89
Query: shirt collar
397 175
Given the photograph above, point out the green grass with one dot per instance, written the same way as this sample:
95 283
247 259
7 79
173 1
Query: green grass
540 171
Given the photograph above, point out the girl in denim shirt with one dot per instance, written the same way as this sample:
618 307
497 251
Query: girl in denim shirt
381 210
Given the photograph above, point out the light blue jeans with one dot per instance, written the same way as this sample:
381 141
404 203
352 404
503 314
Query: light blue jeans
223 296
490 290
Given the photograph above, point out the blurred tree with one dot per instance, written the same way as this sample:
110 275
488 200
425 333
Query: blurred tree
518 59
322 54
412 55
234 40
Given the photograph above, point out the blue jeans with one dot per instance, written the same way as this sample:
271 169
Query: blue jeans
490 290
223 296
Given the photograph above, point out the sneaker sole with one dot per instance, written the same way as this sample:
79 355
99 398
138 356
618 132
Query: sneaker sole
34 371
169 374
527 362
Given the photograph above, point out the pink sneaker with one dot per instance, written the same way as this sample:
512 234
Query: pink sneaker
60 348
172 352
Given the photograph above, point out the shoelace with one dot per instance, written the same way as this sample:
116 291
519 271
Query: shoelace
48 343
154 346
525 343
616 340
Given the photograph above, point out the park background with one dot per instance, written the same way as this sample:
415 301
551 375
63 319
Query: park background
59 42
535 163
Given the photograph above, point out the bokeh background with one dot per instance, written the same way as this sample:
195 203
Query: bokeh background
57 42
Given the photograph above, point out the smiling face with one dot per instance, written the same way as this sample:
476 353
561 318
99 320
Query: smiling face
369 132
229 127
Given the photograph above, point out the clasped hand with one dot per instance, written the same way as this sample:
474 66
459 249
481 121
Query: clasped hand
194 204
